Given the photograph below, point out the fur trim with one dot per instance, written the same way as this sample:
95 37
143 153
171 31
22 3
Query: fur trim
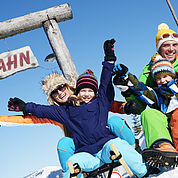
52 81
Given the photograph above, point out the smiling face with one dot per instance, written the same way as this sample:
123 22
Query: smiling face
86 94
163 79
61 94
169 50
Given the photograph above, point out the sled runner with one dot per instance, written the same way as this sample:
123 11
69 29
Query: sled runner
121 160
99 172
115 155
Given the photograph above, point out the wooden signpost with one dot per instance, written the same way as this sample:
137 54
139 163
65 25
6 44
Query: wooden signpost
47 19
17 60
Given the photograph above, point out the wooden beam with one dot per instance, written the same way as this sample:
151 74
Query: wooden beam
34 20
59 47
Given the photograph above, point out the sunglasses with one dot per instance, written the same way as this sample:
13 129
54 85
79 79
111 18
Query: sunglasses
61 87
167 35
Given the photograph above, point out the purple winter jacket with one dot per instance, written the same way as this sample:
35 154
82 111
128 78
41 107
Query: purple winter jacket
87 122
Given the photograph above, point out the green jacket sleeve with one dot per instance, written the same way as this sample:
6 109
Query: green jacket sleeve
146 76
175 64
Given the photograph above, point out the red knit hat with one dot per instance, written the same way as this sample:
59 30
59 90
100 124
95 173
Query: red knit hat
87 80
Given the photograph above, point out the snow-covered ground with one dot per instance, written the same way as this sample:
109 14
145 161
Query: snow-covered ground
47 172
55 172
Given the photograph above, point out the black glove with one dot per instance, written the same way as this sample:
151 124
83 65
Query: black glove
120 70
16 104
122 85
109 50
132 107
117 80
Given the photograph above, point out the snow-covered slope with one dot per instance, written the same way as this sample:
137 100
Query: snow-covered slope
47 172
55 172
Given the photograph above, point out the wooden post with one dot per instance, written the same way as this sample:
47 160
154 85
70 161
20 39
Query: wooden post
47 19
172 11
59 47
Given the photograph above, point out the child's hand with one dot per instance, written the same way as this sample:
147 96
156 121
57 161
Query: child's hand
132 107
16 104
121 70
109 50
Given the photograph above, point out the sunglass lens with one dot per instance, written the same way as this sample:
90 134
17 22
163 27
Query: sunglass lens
53 92
175 35
61 87
166 35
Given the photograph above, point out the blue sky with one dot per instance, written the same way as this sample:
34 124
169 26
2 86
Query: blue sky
133 24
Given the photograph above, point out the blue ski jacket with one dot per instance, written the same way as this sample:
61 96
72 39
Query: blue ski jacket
87 122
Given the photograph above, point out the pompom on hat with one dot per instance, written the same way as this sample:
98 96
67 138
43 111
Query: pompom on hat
52 81
156 57
161 66
162 30
87 80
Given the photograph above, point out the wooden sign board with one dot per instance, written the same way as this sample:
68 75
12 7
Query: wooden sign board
16 61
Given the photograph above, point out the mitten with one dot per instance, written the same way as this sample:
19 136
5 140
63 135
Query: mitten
117 80
16 104
122 85
132 107
121 70
109 50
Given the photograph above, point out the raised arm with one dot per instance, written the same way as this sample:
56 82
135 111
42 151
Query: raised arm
128 84
106 89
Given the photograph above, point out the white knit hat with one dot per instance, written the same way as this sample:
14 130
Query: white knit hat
163 29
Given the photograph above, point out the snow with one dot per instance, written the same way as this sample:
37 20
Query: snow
47 172
56 172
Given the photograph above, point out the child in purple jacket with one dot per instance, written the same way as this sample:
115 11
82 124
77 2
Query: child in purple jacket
86 117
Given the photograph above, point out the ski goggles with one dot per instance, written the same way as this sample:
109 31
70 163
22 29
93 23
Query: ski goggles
61 88
167 35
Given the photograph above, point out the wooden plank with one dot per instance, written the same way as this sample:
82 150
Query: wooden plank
16 61
34 20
